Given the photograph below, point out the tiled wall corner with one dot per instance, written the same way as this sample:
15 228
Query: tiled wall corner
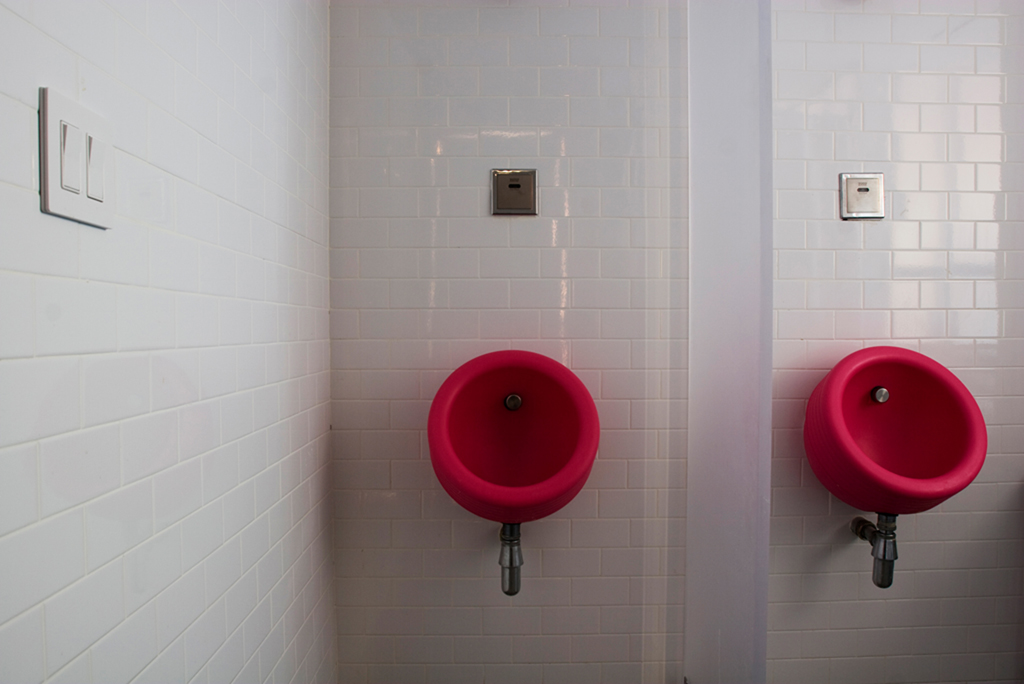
929 93
164 385
426 99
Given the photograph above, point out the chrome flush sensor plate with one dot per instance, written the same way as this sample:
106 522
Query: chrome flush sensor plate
861 196
514 191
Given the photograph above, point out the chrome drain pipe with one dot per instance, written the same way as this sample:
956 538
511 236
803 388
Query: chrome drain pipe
511 558
882 538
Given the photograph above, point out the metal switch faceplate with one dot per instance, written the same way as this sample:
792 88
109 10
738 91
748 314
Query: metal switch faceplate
514 191
861 196
76 169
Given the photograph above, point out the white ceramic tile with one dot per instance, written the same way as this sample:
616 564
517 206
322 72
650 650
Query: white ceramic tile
921 206
866 87
385 22
974 323
479 51
508 142
806 325
538 112
922 88
947 177
975 148
919 147
73 317
837 294
232 58
947 294
84 612
978 206
806 264
151 567
443 21
149 444
175 378
834 116
176 493
863 324
145 319
805 144
545 51
21 648
17 306
47 401
173 146
483 111
19 500
598 111
802 204
947 59
174 262
891 57
864 146
918 324
919 29
628 202
450 201
117 522
804 26
788 55
805 85
975 30
77 467
509 81
18 163
880 117
202 638
523 20
561 21
128 648
114 387
862 29
974 265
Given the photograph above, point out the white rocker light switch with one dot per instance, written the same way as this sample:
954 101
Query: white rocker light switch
70 157
76 162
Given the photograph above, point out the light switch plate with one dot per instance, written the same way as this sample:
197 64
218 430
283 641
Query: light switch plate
514 191
861 196
76 164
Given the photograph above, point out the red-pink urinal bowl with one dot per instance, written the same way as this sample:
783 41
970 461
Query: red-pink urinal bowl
912 452
513 466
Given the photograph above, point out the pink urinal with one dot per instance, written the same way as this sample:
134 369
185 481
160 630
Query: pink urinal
890 430
513 436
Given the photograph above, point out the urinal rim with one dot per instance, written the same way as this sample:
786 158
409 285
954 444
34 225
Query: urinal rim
546 496
938 487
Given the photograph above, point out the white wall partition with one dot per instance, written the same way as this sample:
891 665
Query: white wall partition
930 94
427 98
728 473
164 482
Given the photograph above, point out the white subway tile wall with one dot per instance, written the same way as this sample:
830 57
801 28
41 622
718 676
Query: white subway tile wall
426 99
165 481
929 93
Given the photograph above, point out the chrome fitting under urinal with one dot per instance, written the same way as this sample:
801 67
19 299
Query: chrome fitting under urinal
882 538
511 558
